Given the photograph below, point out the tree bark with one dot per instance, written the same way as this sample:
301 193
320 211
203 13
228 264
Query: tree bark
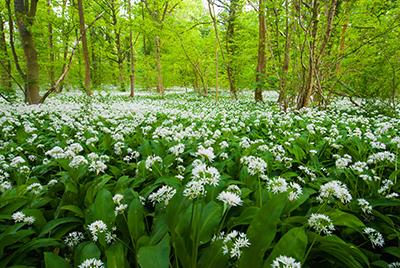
282 100
5 63
51 43
305 95
261 64
85 50
131 53
230 45
25 12
160 85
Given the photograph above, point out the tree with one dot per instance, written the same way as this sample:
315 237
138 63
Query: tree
25 12
261 60
5 63
85 50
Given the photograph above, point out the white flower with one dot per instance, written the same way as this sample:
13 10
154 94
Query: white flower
394 265
96 228
321 223
73 239
277 185
295 191
35 188
29 220
57 153
162 195
91 263
365 206
17 161
374 236
381 157
229 198
255 165
285 262
334 189
206 153
18 216
224 144
177 149
208 175
78 161
233 243
194 189
52 182
151 160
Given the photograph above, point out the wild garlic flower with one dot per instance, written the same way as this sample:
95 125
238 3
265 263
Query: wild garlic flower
364 205
277 185
177 149
120 207
334 189
91 263
162 195
151 160
96 228
73 239
194 189
374 236
207 153
321 223
295 191
208 175
77 161
381 157
21 217
255 165
229 198
394 265
17 161
56 153
35 188
285 262
233 243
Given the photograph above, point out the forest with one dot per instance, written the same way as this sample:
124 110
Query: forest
199 133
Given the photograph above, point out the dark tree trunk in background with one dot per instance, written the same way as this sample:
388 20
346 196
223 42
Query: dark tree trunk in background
51 43
131 53
286 60
160 85
5 64
85 50
25 12
261 65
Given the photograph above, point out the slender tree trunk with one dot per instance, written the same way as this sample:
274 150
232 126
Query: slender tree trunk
216 73
25 17
305 95
261 64
285 67
51 44
230 46
85 50
131 53
5 64
160 85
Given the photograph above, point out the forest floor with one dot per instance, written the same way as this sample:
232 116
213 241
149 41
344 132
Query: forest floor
186 181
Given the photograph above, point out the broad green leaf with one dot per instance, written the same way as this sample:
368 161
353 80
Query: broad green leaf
116 256
136 219
292 244
155 256
51 260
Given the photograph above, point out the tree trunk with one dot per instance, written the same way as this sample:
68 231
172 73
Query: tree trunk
160 86
51 43
305 95
85 50
5 64
285 67
25 13
131 54
230 46
261 65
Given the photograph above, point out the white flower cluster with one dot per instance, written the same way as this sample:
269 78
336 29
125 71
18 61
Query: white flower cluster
364 205
35 188
177 149
91 263
98 228
285 262
231 199
120 207
21 217
150 160
73 239
342 162
163 195
233 243
381 157
334 189
97 163
255 165
207 153
77 161
321 223
374 236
